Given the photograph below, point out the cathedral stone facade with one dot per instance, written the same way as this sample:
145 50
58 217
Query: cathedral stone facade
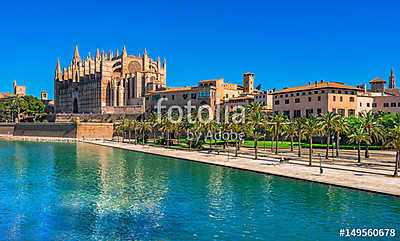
107 84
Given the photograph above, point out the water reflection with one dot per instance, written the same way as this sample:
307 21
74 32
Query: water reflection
68 191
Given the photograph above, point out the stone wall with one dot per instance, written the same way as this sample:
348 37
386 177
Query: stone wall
95 130
66 130
6 129
63 130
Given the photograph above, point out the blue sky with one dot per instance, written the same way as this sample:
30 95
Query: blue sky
285 43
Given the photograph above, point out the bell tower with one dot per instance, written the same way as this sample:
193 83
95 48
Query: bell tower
248 82
392 81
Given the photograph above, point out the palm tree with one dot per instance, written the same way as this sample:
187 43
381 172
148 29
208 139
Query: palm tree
278 119
300 122
144 126
372 128
341 125
290 131
119 129
254 124
357 136
311 129
166 127
154 121
393 138
327 121
236 128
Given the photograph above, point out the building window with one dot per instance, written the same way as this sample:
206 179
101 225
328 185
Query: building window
173 97
276 102
341 98
319 98
309 99
276 97
333 91
297 100
346 92
339 91
319 111
360 104
368 104
304 93
286 95
185 96
352 112
334 98
315 92
297 113
385 104
309 93
373 104
352 99
281 96
393 104
297 94
287 113
309 112
286 101
334 110
193 95
291 95
342 112
322 91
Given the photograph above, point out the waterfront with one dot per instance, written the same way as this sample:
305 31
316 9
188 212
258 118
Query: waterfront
77 191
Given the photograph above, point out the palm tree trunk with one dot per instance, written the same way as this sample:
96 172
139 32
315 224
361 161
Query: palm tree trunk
396 166
277 140
291 143
143 139
359 152
299 140
265 145
255 149
190 145
337 143
328 138
272 143
236 148
311 151
366 151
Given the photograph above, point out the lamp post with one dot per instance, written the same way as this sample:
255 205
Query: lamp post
320 165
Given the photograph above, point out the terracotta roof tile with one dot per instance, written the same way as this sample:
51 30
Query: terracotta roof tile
6 95
377 80
323 85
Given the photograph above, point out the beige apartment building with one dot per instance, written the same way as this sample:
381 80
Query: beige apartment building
317 98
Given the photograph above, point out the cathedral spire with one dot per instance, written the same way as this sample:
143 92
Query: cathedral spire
158 62
110 55
124 53
97 54
117 54
392 81
145 52
165 64
76 53
58 69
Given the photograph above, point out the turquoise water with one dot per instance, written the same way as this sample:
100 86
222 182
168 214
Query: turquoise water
62 191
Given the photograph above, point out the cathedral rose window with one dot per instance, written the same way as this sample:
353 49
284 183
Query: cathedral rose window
134 66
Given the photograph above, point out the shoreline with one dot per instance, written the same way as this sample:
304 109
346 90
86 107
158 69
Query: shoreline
373 183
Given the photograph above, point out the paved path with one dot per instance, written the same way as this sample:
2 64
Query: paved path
353 177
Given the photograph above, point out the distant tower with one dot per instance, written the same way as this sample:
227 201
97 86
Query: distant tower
19 90
43 95
248 82
392 81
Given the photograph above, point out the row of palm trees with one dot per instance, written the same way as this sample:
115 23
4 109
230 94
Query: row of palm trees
365 130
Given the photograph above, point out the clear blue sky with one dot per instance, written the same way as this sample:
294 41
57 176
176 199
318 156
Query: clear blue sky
285 43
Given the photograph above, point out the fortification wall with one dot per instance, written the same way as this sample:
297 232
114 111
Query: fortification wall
66 130
95 130
6 129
